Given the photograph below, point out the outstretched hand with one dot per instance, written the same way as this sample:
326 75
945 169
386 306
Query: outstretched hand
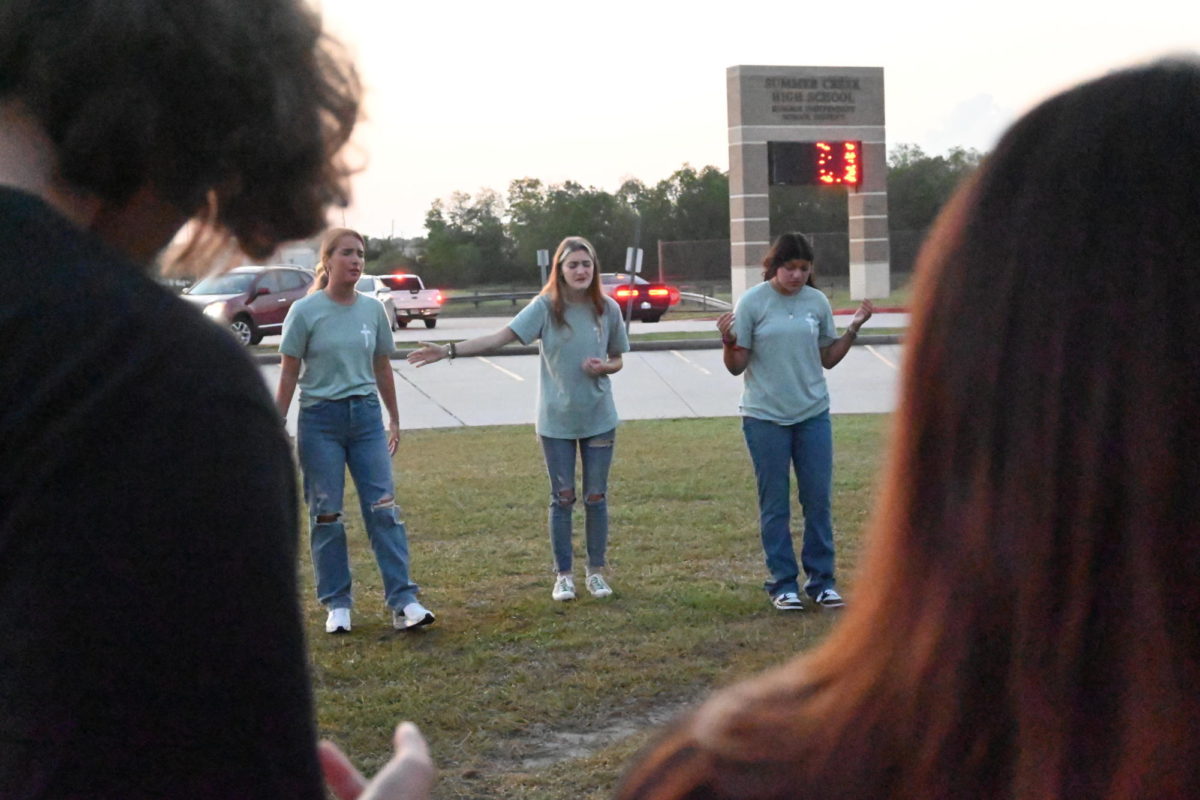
428 353
407 776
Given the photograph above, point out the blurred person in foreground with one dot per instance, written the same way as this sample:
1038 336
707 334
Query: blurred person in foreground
1026 622
152 642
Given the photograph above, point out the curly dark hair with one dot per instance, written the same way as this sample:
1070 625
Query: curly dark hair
231 110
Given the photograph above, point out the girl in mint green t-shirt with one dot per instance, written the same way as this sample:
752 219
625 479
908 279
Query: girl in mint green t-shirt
582 337
781 339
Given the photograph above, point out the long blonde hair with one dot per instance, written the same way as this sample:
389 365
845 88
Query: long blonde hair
328 243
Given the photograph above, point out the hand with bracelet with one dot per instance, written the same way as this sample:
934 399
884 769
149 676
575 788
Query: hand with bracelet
430 353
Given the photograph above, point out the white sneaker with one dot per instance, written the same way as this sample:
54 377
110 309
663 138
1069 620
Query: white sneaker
596 584
338 621
414 615
829 598
564 588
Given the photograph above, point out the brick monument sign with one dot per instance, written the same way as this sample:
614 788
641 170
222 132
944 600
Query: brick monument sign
808 125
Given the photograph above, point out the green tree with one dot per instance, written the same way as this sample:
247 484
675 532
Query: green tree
389 254
919 185
700 202
466 242
540 216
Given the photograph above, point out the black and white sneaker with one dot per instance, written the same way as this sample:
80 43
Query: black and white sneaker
788 601
829 598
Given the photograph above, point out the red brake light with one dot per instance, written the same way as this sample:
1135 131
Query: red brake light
624 293
438 298
659 291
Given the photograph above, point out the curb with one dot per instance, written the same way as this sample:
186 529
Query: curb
878 310
660 345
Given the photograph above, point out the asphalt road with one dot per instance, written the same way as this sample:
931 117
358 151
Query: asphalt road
502 390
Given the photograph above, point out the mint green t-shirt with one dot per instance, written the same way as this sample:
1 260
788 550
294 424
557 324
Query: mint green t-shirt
571 403
337 345
784 381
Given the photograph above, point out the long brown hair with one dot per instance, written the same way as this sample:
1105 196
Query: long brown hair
1026 623
554 284
328 245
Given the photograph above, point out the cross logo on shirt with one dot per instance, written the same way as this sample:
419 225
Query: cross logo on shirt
366 332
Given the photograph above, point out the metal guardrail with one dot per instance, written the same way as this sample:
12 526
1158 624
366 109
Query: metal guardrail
705 301
478 298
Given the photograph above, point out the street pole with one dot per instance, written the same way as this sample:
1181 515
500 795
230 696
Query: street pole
632 255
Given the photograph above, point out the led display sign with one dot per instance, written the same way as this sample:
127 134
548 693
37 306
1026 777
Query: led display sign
829 163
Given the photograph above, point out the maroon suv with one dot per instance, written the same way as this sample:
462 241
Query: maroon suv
251 301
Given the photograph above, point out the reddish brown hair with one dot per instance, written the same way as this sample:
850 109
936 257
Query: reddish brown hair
1026 622
554 284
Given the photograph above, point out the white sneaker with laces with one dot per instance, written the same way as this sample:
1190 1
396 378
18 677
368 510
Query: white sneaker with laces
829 598
414 615
596 584
564 588
338 621
788 601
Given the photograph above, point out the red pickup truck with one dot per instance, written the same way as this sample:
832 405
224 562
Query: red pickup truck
413 300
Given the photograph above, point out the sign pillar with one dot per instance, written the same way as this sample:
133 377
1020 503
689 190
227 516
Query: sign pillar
812 105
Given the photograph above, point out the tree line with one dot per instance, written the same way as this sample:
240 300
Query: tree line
489 238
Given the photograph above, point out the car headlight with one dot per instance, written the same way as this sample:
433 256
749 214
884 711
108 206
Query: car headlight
215 310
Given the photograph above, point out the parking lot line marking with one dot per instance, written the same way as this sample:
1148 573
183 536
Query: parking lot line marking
512 375
880 356
421 391
687 360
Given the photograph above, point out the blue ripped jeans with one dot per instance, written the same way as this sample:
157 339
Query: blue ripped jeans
806 447
595 452
330 436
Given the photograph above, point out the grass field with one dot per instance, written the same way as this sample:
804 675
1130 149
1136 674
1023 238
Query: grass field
521 696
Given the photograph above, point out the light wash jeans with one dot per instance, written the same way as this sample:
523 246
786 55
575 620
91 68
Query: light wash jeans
808 448
596 453
330 436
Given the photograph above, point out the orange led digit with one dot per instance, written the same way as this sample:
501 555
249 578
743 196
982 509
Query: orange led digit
823 163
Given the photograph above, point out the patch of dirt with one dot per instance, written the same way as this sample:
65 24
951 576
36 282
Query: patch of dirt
542 746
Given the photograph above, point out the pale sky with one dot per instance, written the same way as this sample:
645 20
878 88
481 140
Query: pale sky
471 95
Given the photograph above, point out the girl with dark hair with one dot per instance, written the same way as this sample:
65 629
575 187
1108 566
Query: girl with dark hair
344 340
781 336
1025 626
582 338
